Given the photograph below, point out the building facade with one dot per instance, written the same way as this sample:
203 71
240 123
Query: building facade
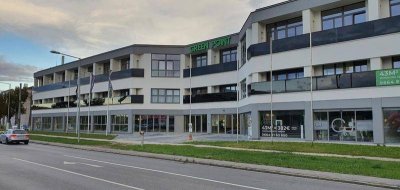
322 70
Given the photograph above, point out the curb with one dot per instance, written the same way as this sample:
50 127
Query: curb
335 177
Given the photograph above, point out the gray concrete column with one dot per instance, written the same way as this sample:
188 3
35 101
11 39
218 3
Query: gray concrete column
179 124
254 134
376 63
131 121
308 122
209 126
377 120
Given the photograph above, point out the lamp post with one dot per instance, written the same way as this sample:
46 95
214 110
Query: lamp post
78 88
8 106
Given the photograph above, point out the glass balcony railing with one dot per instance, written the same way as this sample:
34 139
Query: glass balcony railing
341 81
212 97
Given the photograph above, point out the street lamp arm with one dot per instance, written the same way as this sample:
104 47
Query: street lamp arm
70 55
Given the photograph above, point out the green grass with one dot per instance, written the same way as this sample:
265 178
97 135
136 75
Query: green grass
328 164
83 135
343 149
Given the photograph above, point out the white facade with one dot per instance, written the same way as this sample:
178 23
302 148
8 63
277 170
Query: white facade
356 53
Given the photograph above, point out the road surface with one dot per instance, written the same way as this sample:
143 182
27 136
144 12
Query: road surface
41 167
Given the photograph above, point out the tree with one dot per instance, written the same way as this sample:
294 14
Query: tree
14 99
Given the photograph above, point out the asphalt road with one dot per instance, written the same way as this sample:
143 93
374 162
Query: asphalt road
40 167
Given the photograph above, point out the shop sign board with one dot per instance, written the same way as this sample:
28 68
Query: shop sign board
219 42
388 77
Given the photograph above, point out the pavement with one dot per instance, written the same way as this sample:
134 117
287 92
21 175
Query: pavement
42 167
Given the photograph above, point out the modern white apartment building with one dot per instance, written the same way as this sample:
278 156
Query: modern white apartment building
322 70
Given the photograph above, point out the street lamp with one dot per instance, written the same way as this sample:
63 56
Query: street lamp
78 90
9 98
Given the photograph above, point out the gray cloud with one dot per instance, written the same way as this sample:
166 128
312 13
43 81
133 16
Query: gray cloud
16 72
85 28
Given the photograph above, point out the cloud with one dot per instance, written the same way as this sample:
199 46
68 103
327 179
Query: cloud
84 28
16 72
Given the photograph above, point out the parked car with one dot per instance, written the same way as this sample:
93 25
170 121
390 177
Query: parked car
14 136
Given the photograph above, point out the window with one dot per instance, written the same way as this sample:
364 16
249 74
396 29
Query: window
169 96
119 123
171 122
124 92
199 123
58 123
344 16
46 123
201 90
228 55
100 122
75 74
394 7
228 88
124 64
243 50
286 74
285 124
165 65
285 29
396 63
90 69
37 123
350 67
391 125
106 68
84 123
243 89
199 60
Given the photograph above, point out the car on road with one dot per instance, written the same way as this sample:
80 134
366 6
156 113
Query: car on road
14 136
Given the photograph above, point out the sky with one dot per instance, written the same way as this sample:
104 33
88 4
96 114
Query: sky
29 29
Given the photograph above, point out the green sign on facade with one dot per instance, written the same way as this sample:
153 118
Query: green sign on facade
224 41
388 77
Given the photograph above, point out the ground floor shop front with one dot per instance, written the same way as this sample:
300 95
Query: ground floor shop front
359 121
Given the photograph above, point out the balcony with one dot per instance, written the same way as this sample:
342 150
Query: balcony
98 78
212 97
342 81
211 69
342 34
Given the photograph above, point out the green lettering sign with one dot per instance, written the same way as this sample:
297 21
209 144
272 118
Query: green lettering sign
388 77
224 41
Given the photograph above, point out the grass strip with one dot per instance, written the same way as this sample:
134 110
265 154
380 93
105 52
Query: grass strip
364 167
83 135
342 149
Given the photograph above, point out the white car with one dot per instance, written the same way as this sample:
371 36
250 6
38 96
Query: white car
14 136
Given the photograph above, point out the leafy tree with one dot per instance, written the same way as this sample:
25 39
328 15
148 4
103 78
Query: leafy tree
14 98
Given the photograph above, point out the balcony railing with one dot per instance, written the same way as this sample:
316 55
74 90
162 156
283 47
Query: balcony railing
211 69
342 34
342 81
212 97
98 78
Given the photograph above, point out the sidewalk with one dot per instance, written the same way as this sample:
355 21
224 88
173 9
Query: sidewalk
345 178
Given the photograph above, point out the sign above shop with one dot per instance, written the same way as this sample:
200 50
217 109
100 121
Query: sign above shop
388 77
219 42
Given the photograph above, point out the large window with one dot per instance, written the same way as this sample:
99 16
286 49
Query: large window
84 123
154 123
124 64
199 123
391 125
285 124
169 96
228 55
58 123
344 16
351 125
243 49
394 7
46 123
119 123
286 74
224 124
199 60
349 67
396 63
100 122
227 88
243 88
71 126
37 123
285 29
165 65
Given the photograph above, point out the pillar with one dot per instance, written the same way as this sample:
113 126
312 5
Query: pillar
377 120
254 132
376 63
209 126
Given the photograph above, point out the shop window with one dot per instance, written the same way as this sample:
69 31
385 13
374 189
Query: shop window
58 123
37 123
71 126
100 122
46 123
84 123
285 124
171 122
391 125
199 123
119 123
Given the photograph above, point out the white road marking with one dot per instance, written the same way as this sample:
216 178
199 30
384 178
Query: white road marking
170 173
83 175
73 163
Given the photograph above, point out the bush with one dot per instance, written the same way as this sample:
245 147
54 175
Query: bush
63 105
95 102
